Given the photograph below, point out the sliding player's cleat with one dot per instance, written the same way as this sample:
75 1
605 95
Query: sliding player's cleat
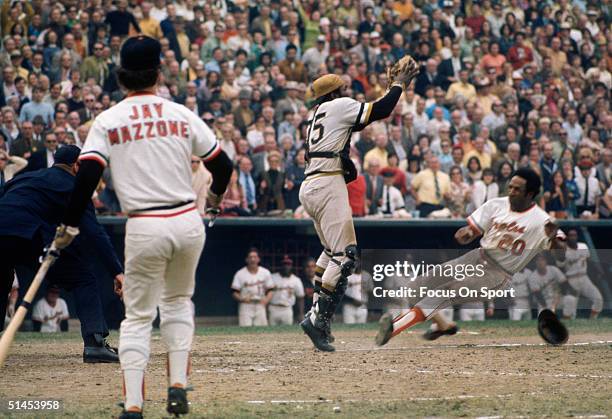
392 327
385 329
431 334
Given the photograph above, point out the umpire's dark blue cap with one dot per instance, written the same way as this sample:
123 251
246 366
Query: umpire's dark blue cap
140 53
67 154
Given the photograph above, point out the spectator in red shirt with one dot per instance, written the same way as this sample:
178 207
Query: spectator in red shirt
520 54
399 176
475 21
356 192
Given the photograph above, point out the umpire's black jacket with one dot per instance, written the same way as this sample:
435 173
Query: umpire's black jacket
33 204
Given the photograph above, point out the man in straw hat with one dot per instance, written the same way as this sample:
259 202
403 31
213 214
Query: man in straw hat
323 193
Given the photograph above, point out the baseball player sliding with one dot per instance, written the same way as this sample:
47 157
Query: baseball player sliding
149 141
513 229
323 193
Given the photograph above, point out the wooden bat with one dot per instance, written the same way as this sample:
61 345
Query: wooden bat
9 334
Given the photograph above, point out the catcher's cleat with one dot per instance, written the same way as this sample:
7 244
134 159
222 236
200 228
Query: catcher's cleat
385 329
177 401
330 337
431 334
318 336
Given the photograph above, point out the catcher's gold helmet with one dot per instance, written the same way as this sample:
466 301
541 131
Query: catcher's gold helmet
324 85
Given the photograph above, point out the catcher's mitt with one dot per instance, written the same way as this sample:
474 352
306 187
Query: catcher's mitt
551 329
403 71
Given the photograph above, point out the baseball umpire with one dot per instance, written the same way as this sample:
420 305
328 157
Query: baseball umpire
32 205
323 193
148 142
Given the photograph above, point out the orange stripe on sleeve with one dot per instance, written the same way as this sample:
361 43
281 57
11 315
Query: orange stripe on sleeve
474 226
93 157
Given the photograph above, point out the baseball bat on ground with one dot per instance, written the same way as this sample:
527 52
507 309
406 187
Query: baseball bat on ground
9 334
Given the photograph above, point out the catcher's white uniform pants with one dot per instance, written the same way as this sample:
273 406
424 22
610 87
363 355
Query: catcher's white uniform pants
280 315
252 314
520 309
584 287
351 314
161 256
325 199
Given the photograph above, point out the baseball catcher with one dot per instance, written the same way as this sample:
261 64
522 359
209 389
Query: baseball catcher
323 193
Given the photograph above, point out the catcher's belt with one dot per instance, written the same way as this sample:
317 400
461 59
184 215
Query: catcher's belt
349 171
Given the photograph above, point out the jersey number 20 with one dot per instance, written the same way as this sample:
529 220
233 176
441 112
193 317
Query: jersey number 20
317 129
507 242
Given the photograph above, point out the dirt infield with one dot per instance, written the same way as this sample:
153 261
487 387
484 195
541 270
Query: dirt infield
490 369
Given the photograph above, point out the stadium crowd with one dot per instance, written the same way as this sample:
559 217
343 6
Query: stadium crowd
503 84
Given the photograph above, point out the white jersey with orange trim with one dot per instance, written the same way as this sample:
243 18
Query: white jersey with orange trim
576 260
511 238
149 141
330 127
286 290
252 285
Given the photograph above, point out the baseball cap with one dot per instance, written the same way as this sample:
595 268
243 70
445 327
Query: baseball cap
67 154
140 53
287 260
585 164
324 85
321 38
374 35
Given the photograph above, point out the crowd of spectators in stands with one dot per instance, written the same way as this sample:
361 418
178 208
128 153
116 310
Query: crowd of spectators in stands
503 84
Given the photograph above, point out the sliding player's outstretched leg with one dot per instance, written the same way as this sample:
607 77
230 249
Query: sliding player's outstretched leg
392 326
